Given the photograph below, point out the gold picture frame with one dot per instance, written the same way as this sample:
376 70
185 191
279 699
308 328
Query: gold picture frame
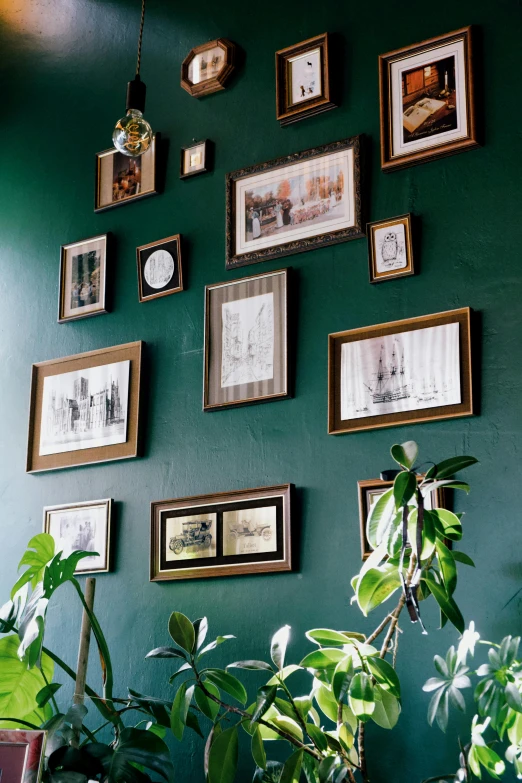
390 248
165 277
83 279
120 179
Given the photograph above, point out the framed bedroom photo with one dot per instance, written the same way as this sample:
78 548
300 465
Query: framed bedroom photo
299 202
246 341
159 268
403 372
120 178
303 80
390 249
85 526
83 279
427 100
85 408
242 532
195 159
21 755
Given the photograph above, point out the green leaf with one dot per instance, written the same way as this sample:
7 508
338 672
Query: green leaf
448 569
144 748
223 756
206 705
490 760
342 677
385 675
317 736
19 686
405 454
165 652
461 557
250 665
448 467
228 683
446 603
387 708
446 522
428 534
289 725
404 487
46 694
329 706
284 673
278 646
265 698
380 517
180 706
376 586
438 708
292 768
258 749
201 630
212 645
182 631
513 697
322 659
361 696
40 551
327 638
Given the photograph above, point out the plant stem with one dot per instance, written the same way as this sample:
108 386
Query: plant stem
362 752
380 628
391 629
55 705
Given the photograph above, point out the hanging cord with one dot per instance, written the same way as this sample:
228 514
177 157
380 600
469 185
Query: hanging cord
138 62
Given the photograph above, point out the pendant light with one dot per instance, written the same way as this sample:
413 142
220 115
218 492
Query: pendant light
133 135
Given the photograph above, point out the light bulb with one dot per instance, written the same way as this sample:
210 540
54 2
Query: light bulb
132 135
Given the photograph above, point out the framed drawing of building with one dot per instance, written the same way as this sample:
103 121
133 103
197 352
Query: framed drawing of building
403 372
85 408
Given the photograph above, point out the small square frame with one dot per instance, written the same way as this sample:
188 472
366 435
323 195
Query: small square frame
207 164
105 240
151 158
286 111
371 228
143 297
107 504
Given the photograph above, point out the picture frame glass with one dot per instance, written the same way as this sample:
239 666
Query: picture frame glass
305 77
83 278
206 65
122 178
194 158
84 526
391 248
159 268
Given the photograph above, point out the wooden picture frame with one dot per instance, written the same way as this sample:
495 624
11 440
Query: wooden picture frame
403 372
85 526
160 270
190 168
195 77
390 248
22 755
83 279
239 371
371 488
92 403
261 225
242 532
303 80
120 179
427 100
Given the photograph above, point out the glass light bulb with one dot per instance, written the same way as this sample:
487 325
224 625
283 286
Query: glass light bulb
132 135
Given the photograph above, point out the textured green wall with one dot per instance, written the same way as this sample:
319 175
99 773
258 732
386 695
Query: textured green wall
64 66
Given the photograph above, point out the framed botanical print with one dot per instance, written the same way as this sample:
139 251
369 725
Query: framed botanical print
403 372
296 203
85 526
195 159
427 100
21 755
159 268
207 68
303 80
242 532
85 408
120 178
370 491
83 279
246 341
390 250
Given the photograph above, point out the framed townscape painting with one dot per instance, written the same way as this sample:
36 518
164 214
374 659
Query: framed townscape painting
196 159
390 250
83 279
21 755
243 532
159 269
296 203
85 408
120 178
246 341
427 100
303 80
403 372
85 526
207 67
370 491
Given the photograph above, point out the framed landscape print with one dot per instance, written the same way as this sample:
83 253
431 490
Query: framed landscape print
85 408
207 67
427 100
243 532
390 250
296 203
159 269
246 341
370 491
83 279
21 755
195 159
85 526
120 178
403 372
303 80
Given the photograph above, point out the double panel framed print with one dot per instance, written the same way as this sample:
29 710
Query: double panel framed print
246 341
83 279
243 532
85 526
427 100
296 203
85 408
403 372
303 80
160 271
120 178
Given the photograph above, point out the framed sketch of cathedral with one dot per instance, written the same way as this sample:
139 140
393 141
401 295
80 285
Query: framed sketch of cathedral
390 251
246 341
85 408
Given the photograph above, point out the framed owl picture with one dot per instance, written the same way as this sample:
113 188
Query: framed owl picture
390 249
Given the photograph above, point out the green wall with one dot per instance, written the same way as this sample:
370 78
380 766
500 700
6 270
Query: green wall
64 67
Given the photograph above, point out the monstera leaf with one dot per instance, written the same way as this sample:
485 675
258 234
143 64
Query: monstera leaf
19 686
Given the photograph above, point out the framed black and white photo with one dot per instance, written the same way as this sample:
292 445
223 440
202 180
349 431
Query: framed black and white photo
296 203
195 159
83 279
390 250
120 178
427 100
246 341
85 526
160 270
402 372
303 80
242 532
85 408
